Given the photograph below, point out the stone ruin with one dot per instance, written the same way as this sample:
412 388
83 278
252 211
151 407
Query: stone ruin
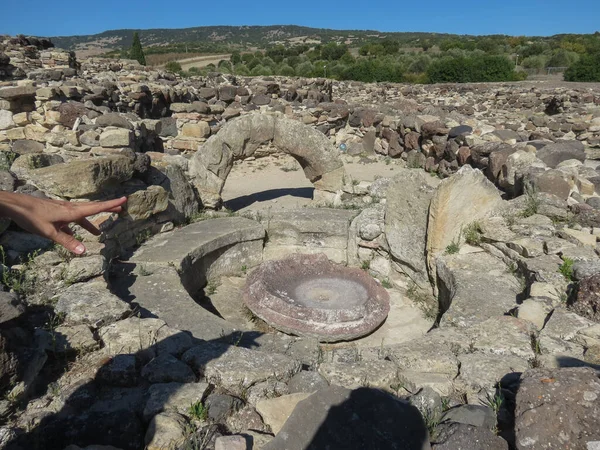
307 295
240 139
484 235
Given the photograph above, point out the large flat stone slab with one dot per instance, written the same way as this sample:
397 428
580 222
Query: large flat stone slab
162 295
186 245
460 200
206 250
474 287
237 368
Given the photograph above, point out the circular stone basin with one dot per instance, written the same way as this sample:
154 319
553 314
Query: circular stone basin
307 295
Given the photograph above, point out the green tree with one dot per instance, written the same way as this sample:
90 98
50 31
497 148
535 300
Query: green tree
472 69
136 51
586 69
236 57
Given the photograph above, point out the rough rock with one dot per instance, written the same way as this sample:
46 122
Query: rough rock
409 195
146 202
557 408
587 301
151 336
238 368
454 436
165 430
553 154
117 138
93 176
459 200
166 368
306 381
475 415
173 397
92 304
276 411
339 418
462 300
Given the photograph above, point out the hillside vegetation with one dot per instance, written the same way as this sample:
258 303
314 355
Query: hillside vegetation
364 55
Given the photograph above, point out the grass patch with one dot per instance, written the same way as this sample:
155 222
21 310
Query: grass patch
426 303
20 281
566 269
386 283
532 201
473 233
452 248
198 411
211 288
143 236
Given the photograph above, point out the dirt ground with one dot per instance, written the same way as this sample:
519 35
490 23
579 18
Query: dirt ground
278 181
202 61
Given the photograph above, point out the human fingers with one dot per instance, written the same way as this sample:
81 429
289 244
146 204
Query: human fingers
91 208
89 226
66 229
69 242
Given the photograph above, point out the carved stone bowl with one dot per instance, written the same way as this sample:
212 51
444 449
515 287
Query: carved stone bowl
307 295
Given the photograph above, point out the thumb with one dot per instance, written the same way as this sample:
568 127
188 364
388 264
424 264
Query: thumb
70 243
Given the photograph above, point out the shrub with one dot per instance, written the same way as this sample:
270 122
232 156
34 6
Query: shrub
566 268
471 69
586 69
173 66
286 70
304 69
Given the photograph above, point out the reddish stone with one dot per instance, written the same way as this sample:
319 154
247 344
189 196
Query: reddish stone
307 295
411 141
464 156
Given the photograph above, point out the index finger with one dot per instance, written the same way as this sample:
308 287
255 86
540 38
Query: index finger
91 208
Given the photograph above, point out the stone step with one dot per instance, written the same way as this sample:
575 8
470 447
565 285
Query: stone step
205 250
475 287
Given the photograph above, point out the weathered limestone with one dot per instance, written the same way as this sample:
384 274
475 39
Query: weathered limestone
237 368
408 199
205 249
462 300
241 137
459 201
309 231
275 411
543 416
92 175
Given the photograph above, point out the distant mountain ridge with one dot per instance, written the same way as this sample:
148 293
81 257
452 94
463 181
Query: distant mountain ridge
235 36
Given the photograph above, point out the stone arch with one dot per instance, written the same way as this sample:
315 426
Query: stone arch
239 139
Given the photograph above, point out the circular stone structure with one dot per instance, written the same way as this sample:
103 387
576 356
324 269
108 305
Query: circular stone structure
307 295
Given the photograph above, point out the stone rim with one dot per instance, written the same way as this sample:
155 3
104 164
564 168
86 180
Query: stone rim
283 313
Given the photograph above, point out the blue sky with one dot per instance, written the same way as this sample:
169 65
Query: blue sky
512 17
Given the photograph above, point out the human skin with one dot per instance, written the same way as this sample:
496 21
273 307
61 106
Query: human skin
51 218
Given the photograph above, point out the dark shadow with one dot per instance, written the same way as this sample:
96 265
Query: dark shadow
361 419
238 203
569 361
108 409
125 273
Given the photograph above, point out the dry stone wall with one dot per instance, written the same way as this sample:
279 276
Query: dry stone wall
122 128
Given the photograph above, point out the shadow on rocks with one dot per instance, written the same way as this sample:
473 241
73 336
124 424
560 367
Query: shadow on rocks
342 419
110 403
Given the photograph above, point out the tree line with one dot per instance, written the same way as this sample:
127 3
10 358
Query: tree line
456 59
